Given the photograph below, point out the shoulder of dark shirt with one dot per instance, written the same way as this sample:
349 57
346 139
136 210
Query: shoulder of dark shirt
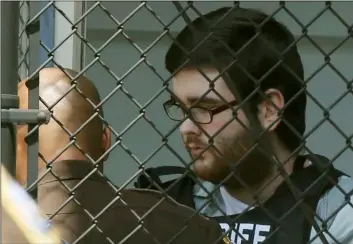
130 208
165 213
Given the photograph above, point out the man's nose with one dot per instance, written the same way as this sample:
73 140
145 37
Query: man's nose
189 127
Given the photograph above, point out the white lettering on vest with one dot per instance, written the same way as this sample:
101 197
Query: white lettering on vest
245 233
242 234
260 228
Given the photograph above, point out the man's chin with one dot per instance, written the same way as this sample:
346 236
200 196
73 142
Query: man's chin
207 171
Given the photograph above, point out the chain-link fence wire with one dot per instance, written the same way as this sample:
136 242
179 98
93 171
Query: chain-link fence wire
255 128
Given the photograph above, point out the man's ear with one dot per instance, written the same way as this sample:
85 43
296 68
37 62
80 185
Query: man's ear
270 109
106 140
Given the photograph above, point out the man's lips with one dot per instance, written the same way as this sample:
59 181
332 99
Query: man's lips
193 146
195 150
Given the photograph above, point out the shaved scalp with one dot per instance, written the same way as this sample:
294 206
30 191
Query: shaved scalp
71 108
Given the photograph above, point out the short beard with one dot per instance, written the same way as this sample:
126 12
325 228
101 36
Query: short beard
246 160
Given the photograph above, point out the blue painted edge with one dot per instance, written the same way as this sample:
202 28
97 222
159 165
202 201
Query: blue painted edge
46 32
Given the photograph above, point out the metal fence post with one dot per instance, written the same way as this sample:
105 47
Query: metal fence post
9 61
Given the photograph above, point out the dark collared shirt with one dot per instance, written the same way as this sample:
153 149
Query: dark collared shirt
91 209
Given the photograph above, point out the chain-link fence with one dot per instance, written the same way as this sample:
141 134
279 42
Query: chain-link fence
248 95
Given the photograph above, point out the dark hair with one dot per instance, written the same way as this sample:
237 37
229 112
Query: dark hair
261 56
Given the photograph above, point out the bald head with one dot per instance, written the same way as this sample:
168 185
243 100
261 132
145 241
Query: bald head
74 120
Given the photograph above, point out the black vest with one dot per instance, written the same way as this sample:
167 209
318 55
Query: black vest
281 219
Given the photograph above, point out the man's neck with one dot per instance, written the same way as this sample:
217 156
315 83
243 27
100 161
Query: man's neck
69 158
263 191
77 156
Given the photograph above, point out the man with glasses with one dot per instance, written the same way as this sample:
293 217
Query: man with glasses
253 180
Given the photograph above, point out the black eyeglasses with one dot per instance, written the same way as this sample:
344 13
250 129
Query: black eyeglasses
200 114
